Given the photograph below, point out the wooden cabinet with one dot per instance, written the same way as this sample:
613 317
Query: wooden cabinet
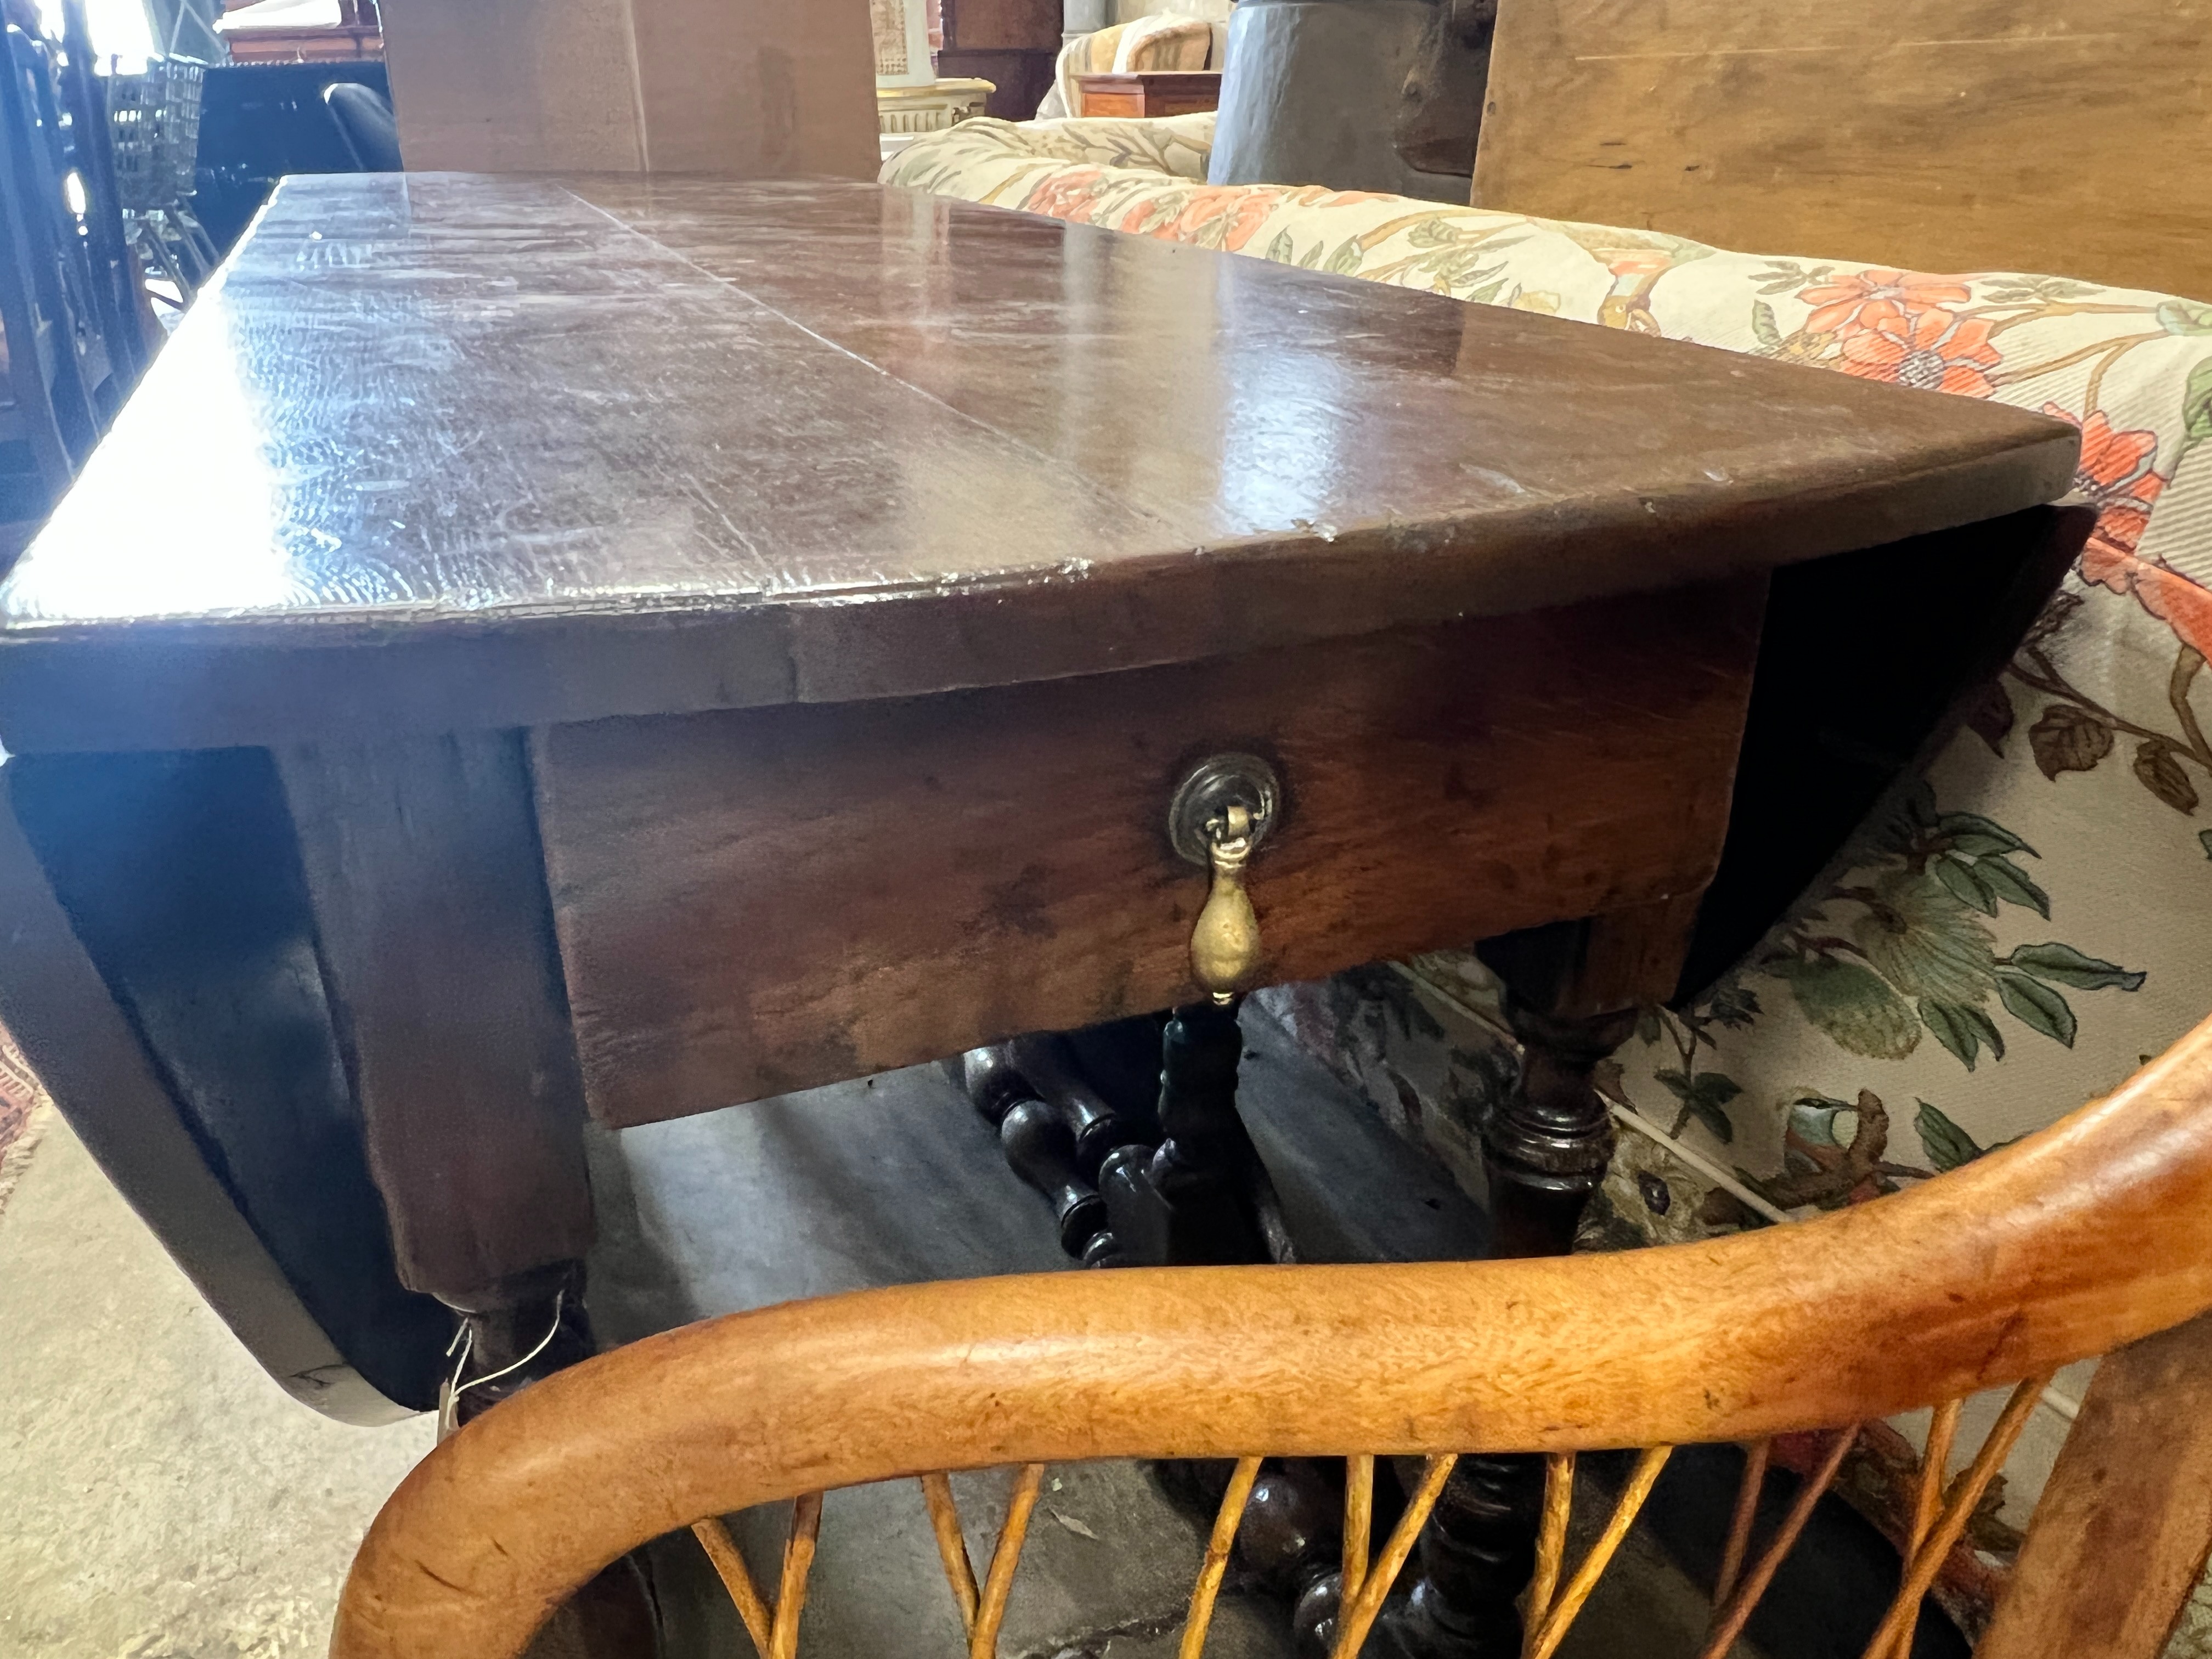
1010 43
1151 92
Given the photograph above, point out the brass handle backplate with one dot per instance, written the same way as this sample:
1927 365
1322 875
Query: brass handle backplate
1222 810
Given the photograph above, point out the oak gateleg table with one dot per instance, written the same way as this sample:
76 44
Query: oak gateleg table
541 647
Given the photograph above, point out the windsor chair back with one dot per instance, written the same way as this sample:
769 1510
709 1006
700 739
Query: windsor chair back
50 410
2088 1238
67 287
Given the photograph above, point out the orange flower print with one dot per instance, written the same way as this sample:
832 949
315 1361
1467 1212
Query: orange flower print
1225 216
1641 262
1314 194
1867 298
2164 592
1068 193
2115 474
1145 219
1930 350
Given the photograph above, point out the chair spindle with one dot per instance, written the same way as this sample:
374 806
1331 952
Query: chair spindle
1730 1616
797 1563
1929 1557
1561 1616
1357 1615
999 1582
1551 1543
1359 1522
1224 1538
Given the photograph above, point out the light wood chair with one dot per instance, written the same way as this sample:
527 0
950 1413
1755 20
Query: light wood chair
2089 1238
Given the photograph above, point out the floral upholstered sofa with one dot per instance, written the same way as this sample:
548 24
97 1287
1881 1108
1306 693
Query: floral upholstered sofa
2020 925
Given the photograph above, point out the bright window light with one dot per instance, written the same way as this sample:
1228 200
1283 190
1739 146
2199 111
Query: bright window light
119 30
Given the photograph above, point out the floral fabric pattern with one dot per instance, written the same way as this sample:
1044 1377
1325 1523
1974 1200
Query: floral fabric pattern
1180 145
2013 931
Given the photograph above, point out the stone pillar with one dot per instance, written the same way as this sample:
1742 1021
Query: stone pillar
1084 17
1312 95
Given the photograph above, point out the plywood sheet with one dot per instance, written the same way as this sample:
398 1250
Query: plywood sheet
2065 137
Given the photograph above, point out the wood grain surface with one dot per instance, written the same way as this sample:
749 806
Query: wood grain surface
431 924
2085 1236
755 902
1934 135
1149 94
444 452
2125 1524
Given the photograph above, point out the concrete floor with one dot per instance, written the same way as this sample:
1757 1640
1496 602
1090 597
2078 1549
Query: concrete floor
161 1499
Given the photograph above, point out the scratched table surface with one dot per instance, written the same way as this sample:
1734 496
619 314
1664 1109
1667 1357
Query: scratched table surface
442 451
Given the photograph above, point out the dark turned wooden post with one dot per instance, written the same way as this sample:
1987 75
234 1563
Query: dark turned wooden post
1196 1197
1054 1130
1546 1148
1572 990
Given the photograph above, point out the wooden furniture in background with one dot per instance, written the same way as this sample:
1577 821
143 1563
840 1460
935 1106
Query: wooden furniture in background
759 88
358 34
2093 1234
74 332
1151 92
339 45
2133 1486
1938 137
1010 43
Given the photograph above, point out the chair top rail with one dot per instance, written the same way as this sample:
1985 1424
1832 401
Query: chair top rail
2087 1236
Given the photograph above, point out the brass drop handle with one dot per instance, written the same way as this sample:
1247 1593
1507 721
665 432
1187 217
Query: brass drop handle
1222 810
1224 946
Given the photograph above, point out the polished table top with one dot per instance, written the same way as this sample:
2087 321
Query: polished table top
443 451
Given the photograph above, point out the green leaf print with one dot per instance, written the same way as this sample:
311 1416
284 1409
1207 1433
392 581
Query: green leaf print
1947 1145
2183 317
1979 837
1763 326
2204 841
1854 1006
2036 1004
1702 1097
1958 879
1903 943
2195 408
1345 261
2011 885
2067 965
1962 1029
1283 250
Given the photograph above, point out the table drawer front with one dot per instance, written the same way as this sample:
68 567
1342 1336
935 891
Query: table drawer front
757 901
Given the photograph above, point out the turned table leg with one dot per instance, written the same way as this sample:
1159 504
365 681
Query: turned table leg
1186 1190
1201 1195
1573 991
